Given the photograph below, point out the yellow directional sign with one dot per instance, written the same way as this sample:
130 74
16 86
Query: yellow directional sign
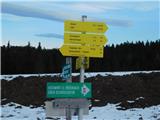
85 51
89 39
79 62
79 26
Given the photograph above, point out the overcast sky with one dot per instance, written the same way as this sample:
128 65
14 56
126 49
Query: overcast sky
43 21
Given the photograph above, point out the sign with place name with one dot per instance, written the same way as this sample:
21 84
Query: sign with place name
79 26
79 62
85 51
68 90
89 39
66 72
52 110
72 103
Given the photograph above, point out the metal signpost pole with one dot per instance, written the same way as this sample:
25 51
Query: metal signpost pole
68 110
82 70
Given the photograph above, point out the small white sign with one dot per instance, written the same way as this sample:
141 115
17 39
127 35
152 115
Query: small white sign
52 111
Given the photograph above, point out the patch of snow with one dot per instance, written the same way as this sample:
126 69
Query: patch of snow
139 98
96 100
129 101
3 99
88 74
21 113
132 101
11 77
108 112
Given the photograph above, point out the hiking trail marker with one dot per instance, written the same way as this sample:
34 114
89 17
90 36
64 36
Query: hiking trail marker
80 26
86 45
87 39
66 72
68 90
79 50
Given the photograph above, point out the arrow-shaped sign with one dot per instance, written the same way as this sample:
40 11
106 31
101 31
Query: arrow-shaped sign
79 26
68 90
85 51
89 39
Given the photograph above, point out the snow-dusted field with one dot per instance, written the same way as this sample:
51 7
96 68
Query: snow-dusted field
13 111
88 74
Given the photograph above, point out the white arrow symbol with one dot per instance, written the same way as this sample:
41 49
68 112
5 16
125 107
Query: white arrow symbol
85 90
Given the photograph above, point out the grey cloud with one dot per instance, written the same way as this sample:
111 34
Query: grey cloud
114 22
55 15
28 12
50 35
120 23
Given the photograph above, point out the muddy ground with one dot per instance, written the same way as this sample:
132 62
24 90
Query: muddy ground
124 90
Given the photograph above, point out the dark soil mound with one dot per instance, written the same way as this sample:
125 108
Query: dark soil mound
109 89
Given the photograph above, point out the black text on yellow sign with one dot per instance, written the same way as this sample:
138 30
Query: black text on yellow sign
79 26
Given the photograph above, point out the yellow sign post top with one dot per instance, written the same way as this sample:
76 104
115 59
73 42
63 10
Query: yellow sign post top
89 39
79 26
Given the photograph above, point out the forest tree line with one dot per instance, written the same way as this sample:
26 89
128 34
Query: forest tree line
128 56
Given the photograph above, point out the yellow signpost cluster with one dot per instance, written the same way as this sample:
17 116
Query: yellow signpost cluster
85 45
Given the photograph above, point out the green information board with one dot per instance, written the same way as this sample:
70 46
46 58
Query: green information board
68 90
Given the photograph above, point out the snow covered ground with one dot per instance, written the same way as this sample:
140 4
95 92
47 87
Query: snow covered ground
88 74
13 111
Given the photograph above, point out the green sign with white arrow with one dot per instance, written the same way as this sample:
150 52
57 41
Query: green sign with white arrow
68 90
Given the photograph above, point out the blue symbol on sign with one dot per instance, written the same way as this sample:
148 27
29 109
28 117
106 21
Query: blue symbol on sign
66 72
